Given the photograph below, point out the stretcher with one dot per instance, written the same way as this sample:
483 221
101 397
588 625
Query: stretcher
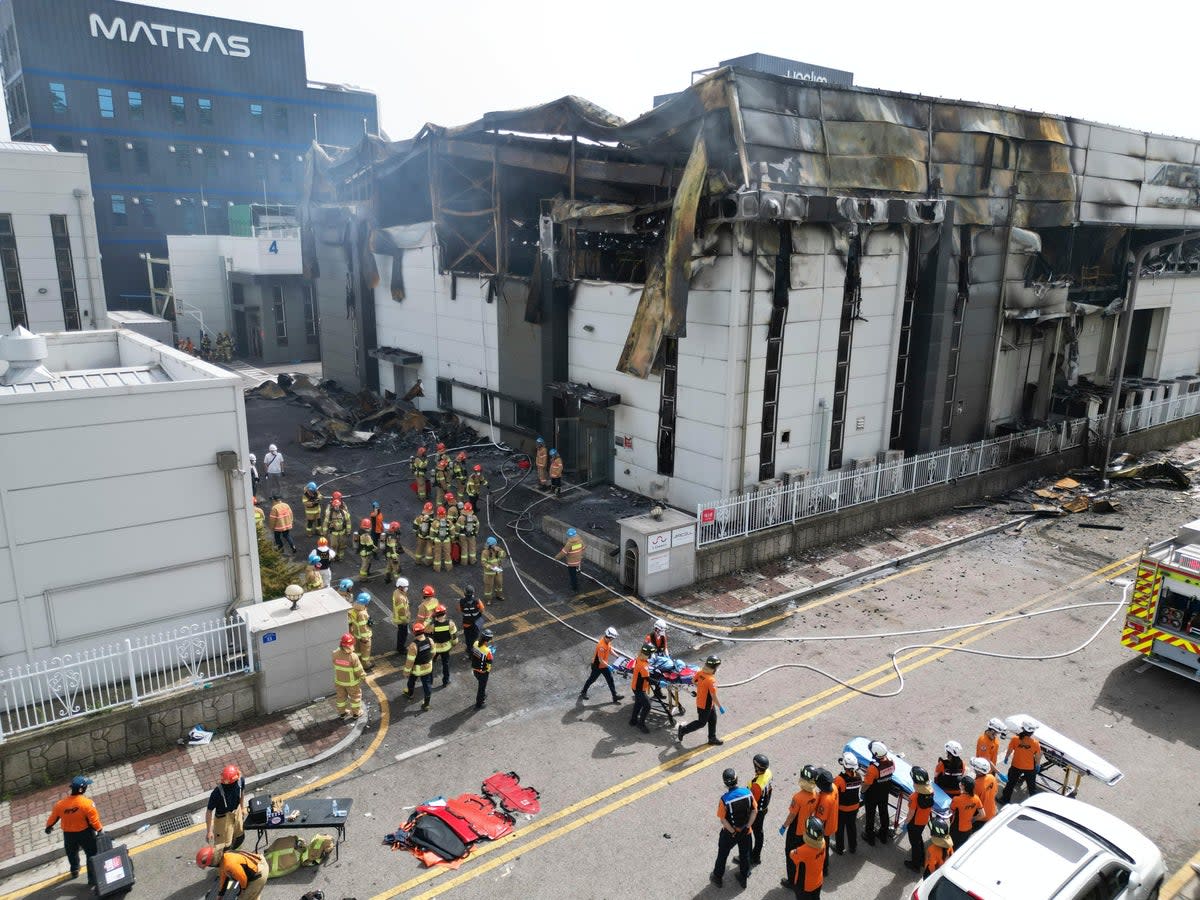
667 676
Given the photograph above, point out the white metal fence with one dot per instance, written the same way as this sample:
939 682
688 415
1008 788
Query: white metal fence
73 685
756 510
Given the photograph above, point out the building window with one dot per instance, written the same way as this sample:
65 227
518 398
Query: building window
256 116
149 213
286 172
310 315
280 315
526 415
445 394
66 272
136 110
190 220
58 97
210 163
112 155
204 105
141 157
64 143
11 266
105 99
178 110
260 165
18 111
183 159
118 210
280 120
667 404
216 218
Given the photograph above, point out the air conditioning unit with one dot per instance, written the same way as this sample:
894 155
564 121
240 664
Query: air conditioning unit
771 484
863 210
891 478
889 457
793 477
867 462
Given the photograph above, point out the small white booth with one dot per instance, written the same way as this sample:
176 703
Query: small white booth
658 551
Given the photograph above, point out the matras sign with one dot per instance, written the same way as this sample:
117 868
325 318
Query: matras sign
174 36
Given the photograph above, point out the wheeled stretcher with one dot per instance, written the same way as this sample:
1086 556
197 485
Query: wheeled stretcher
667 676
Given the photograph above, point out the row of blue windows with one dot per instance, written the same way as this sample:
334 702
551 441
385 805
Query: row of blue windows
177 103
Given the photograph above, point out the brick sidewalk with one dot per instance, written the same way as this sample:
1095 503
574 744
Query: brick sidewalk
737 592
176 774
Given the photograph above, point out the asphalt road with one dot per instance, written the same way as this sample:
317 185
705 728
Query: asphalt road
624 812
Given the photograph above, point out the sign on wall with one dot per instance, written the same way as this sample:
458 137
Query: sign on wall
270 637
681 537
174 36
659 563
657 543
708 515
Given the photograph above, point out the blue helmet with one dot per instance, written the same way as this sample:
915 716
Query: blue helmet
311 486
553 452
314 558
79 782
491 542
541 440
345 585
571 532
374 504
364 598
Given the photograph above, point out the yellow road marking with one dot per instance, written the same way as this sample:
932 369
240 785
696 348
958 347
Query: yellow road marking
845 694
1180 879
565 615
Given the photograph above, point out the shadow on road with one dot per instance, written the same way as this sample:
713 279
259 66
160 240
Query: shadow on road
1155 700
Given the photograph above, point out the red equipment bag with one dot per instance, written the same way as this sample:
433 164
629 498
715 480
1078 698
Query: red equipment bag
455 552
513 797
459 826
413 485
481 814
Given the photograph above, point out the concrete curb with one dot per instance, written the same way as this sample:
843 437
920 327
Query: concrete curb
133 823
840 579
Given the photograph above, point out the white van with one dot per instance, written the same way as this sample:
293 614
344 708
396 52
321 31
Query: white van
1050 848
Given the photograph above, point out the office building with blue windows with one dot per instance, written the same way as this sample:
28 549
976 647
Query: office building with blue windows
183 117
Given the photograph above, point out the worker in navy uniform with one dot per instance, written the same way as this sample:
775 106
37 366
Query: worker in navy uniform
736 811
226 811
482 656
471 609
877 788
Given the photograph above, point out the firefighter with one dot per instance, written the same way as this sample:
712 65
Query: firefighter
324 564
364 543
849 787
471 610
249 870
491 560
458 472
346 589
572 554
736 811
807 862
252 470
392 550
80 824
802 808
556 470
877 785
420 472
378 525
419 664
940 848
440 534
226 812
205 346
949 770
1025 751
476 484
600 665
641 683
281 522
988 744
658 637
453 510
707 705
348 674
468 530
442 453
444 635
429 603
401 612
541 460
311 501
360 627
482 656
422 526
312 576
920 808
760 787
986 784
827 808
259 518
441 481
337 523
965 809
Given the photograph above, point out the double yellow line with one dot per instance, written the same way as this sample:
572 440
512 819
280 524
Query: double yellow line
586 811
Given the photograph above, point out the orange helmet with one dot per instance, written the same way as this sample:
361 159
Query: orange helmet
337 495
478 468
428 507
255 500
420 451
449 498
419 628
204 857
347 640
441 512
395 526
467 507
322 542
427 591
439 610
230 774
440 447
462 455
365 523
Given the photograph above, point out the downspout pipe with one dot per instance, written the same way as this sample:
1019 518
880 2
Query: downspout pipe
742 432
227 462
79 194
1118 369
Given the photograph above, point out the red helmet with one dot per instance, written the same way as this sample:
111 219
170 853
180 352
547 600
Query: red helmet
420 451
230 774
419 628
449 497
347 640
462 455
428 507
478 468
439 610
467 507
427 591
337 495
440 447
395 526
365 523
204 857
255 500
322 542
441 512
442 463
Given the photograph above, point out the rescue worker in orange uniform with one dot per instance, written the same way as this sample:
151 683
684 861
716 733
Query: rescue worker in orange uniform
803 807
641 684
707 705
378 525
988 744
249 870
950 769
737 812
556 472
348 674
807 861
1025 751
849 786
541 460
827 808
572 554
920 808
80 824
420 472
940 848
877 787
986 785
760 787
964 809
600 665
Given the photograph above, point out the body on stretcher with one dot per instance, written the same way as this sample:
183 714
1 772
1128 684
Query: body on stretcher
667 676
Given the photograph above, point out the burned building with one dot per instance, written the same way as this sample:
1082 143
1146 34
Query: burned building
757 279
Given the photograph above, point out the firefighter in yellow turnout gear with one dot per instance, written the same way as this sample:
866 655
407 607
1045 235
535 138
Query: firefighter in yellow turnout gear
420 472
401 613
364 543
360 628
491 561
311 501
336 525
422 526
348 674
441 533
392 550
419 664
468 529
429 603
444 635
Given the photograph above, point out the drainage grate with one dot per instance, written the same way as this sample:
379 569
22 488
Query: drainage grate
175 823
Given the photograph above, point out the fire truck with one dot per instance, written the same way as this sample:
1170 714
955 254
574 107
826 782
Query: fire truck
1163 619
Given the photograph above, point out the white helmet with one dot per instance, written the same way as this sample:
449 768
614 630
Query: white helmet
954 748
401 582
660 625
610 632
1029 726
273 449
981 765
997 725
878 749
253 458
849 761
